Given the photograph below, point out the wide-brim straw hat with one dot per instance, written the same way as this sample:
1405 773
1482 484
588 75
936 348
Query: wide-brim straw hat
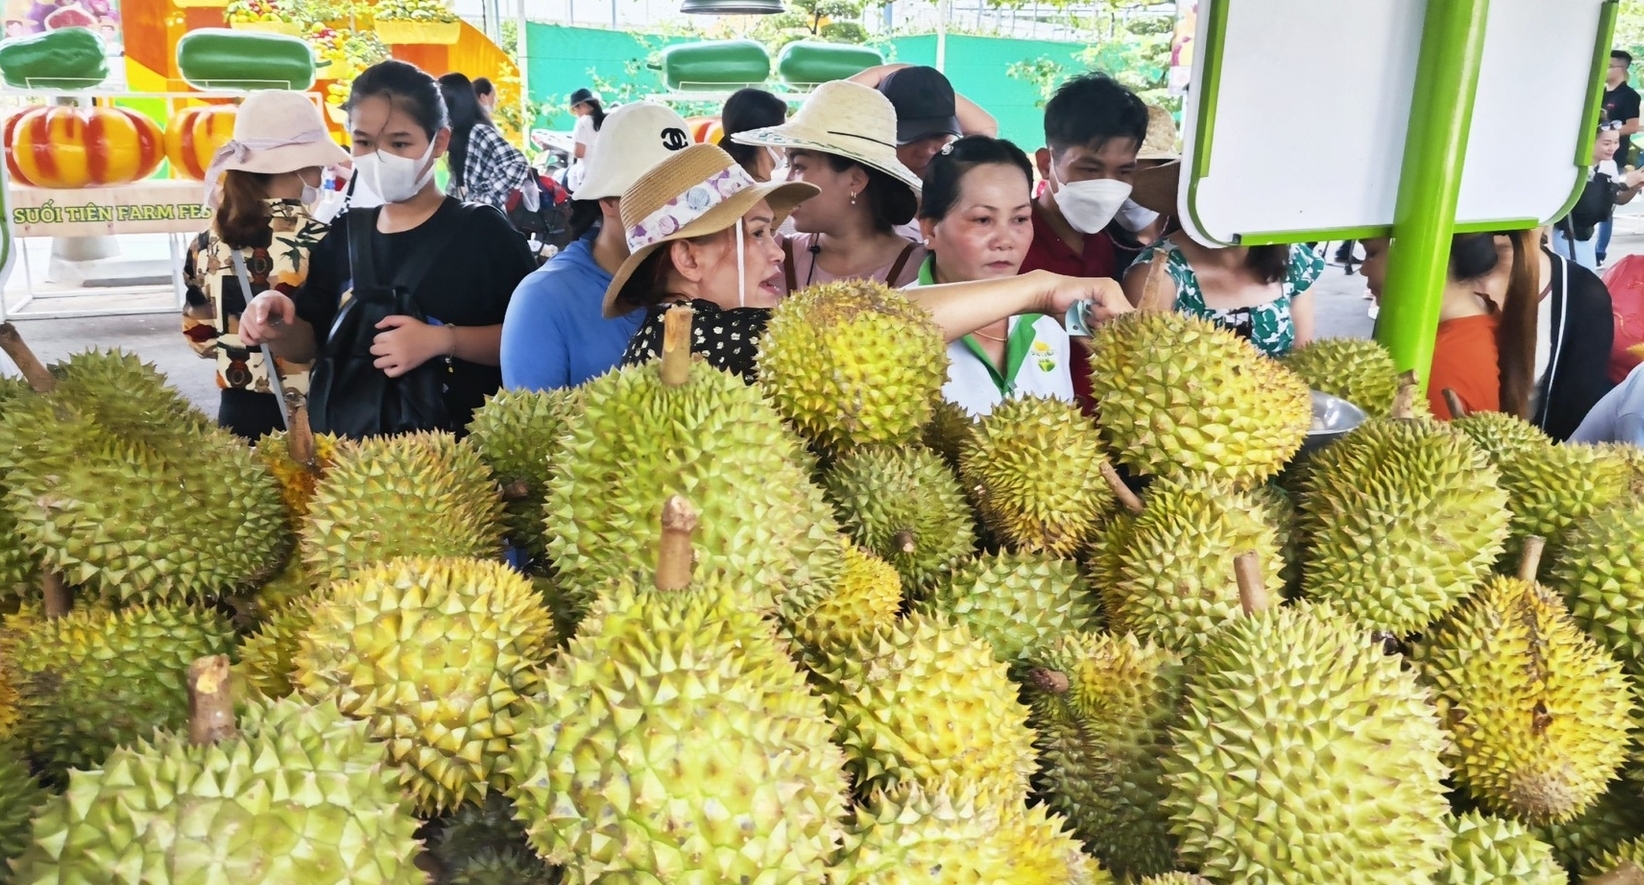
846 119
1160 143
698 191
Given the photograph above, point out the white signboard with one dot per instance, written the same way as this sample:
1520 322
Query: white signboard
1296 119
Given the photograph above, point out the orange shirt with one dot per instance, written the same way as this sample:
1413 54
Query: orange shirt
1466 360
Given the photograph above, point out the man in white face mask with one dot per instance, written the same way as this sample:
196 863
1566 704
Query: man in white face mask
1143 224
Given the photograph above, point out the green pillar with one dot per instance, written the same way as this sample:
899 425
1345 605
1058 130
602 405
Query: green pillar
1441 115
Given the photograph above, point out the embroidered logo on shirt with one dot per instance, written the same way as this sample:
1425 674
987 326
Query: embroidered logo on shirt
1044 356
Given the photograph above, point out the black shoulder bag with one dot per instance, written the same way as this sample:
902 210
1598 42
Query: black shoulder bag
348 395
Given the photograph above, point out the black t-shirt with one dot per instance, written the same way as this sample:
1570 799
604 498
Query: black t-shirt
481 259
1621 103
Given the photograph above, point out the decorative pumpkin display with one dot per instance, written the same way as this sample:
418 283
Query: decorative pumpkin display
69 147
194 136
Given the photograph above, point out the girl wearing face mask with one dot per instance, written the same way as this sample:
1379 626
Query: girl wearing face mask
700 233
264 185
843 141
1258 292
977 216
468 258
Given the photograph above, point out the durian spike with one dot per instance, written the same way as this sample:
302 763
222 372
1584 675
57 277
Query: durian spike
1247 568
34 371
210 701
1404 402
1127 498
674 554
55 596
1626 874
1453 400
676 346
300 438
1530 563
1159 289
1049 681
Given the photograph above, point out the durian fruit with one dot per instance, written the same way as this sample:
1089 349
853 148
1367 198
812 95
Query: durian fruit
1180 394
1552 488
254 606
267 655
1017 602
1167 570
8 694
1305 755
18 568
1102 706
1033 468
94 679
20 794
1601 577
1503 437
1402 519
300 795
1279 512
1175 878
676 741
952 833
437 656
852 363
566 603
903 504
1491 851
1358 370
1537 712
297 479
945 434
118 484
420 494
701 433
515 432
1630 851
483 845
868 597
924 699
1617 816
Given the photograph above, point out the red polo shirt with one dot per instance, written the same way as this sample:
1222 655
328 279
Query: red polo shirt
1048 252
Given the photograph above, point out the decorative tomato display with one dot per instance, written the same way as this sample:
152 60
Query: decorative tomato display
68 147
193 137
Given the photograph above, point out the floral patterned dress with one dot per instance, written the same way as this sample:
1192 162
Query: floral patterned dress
1269 326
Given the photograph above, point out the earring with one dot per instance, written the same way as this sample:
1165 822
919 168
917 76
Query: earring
853 198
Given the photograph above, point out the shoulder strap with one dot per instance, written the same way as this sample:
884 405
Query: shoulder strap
789 272
362 265
901 262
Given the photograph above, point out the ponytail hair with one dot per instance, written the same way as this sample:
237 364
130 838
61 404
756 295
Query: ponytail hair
242 217
597 111
1516 332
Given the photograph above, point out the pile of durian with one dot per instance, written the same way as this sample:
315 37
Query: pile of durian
673 629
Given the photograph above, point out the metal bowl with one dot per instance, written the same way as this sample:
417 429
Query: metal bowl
1333 418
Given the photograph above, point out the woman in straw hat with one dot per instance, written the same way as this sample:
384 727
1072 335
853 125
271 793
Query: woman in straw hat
263 185
700 232
843 141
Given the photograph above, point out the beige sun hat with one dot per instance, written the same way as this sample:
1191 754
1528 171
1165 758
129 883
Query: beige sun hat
1160 143
276 131
843 118
698 191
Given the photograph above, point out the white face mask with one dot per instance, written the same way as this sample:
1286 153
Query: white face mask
1090 205
1134 218
311 194
395 178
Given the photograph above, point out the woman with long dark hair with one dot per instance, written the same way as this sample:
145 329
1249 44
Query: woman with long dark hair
271 174
454 264
745 110
484 167
590 114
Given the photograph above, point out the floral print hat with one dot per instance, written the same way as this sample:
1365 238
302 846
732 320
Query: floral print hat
698 191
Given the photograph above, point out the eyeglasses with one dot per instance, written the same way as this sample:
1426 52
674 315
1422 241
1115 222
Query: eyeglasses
1612 126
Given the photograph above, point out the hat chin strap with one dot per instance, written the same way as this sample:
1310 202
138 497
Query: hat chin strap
741 269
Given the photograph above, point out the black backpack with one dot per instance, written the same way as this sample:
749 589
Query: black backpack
547 225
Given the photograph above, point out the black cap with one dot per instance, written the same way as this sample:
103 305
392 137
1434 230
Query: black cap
924 103
581 95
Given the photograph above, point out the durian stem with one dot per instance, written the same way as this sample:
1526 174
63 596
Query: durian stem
674 554
905 542
210 701
1159 289
1247 569
1127 498
34 371
1048 681
1530 562
300 438
1453 400
676 346
1404 402
1628 873
518 490
55 596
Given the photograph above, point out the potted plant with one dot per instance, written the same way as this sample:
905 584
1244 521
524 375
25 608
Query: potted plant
416 21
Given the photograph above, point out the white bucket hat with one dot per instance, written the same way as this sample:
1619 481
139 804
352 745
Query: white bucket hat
846 119
275 131
632 141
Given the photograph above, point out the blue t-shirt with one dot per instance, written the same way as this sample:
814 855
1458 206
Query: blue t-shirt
555 334
1619 416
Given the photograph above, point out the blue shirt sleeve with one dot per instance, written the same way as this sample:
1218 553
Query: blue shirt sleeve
535 354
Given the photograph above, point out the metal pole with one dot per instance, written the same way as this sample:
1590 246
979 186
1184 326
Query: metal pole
1435 154
942 11
522 51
